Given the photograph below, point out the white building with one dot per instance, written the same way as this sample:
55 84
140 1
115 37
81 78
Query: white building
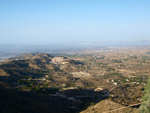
115 83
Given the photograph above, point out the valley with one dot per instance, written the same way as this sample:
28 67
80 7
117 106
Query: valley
84 79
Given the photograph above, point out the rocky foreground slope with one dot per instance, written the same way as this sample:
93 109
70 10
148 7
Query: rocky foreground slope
108 106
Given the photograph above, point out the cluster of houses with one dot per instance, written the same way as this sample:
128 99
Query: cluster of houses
127 80
57 59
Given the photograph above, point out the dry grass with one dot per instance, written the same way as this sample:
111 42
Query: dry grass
108 105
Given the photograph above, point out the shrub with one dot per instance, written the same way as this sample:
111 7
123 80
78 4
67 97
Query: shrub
145 106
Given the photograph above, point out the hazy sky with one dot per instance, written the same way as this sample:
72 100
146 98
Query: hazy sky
73 21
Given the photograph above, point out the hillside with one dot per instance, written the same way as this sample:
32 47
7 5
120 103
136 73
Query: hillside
81 79
3 73
37 65
14 101
106 106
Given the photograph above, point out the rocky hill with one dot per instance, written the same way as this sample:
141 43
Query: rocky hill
108 106
36 65
3 73
41 79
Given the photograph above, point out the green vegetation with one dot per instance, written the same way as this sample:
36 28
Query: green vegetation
111 69
145 106
42 75
117 61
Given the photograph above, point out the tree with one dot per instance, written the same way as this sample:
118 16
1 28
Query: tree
72 85
145 106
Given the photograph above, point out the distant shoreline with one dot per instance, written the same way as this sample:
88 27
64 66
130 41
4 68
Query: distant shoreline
5 57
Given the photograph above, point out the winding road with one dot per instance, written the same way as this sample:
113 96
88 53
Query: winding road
89 67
